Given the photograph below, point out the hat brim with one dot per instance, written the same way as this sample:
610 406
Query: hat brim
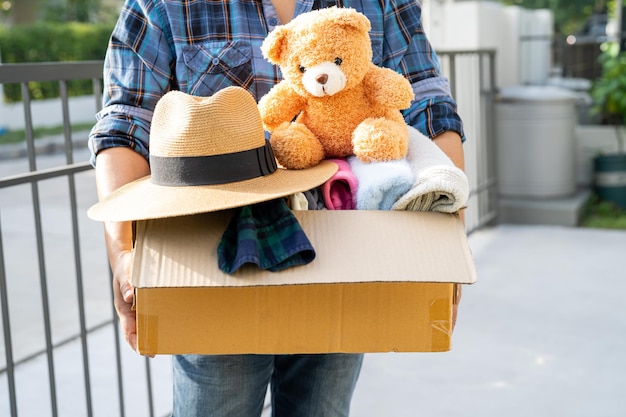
142 200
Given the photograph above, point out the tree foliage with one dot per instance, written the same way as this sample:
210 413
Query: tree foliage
609 91
73 11
84 11
63 42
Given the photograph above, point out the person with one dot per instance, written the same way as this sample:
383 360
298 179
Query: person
200 47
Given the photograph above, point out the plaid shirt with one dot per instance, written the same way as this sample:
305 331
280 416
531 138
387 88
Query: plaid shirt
200 47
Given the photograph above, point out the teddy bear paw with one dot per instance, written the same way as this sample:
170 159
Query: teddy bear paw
296 147
377 140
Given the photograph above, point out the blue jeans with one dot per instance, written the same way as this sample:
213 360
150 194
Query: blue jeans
235 385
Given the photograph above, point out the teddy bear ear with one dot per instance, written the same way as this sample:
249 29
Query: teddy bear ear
350 17
275 44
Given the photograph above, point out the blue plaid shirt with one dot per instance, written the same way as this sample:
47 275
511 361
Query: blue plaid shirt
200 47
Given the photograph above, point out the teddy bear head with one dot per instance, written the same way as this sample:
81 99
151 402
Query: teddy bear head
323 52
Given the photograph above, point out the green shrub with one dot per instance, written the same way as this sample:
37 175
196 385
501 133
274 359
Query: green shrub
609 90
603 215
52 42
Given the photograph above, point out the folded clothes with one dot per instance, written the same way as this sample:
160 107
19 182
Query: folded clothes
298 201
439 185
266 234
339 192
315 199
380 183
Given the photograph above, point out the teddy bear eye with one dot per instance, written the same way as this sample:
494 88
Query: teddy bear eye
302 69
338 61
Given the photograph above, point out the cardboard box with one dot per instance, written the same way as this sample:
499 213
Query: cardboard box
382 281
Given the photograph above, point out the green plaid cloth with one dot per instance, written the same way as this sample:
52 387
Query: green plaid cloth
266 234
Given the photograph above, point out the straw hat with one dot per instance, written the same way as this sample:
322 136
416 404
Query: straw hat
206 154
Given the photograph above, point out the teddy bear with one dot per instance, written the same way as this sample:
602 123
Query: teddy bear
332 101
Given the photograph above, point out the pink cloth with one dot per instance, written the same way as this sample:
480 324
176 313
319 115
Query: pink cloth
339 192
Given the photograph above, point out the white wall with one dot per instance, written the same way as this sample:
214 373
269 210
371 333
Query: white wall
433 19
535 55
490 25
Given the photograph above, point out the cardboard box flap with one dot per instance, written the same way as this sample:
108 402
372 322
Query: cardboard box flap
350 246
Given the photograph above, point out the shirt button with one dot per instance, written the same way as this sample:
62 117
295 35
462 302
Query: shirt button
216 61
273 21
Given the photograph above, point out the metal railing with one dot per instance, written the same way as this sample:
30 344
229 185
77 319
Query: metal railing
472 76
22 74
38 180
25 198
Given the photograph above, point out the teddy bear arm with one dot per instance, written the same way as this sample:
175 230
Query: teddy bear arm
281 104
388 88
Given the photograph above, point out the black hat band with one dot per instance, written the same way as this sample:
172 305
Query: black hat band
179 171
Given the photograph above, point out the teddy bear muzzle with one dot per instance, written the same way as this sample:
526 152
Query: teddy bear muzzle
325 79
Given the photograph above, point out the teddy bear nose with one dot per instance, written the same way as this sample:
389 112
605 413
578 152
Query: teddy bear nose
322 78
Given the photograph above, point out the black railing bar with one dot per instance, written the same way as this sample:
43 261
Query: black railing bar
80 292
59 344
45 304
67 129
44 174
118 353
96 83
28 131
453 80
43 281
149 386
50 71
491 128
6 327
488 147
480 154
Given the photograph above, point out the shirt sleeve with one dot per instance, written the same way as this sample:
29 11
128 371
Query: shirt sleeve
137 72
407 50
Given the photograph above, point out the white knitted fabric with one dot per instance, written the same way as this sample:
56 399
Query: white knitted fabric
439 185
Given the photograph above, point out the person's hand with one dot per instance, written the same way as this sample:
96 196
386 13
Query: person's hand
123 292
115 167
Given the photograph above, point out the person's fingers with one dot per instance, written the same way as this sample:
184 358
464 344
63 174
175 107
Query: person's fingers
455 303
127 322
127 291
123 298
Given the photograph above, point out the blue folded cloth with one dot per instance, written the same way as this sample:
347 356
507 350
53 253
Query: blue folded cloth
380 183
266 234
